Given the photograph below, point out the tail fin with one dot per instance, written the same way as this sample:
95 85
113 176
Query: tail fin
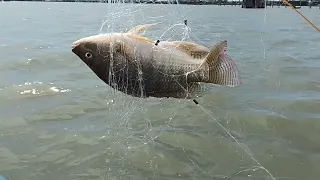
222 69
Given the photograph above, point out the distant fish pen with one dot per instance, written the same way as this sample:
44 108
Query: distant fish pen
253 4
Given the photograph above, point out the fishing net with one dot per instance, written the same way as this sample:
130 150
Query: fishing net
211 137
228 133
153 138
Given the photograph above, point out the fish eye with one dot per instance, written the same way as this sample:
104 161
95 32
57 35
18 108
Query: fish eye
88 55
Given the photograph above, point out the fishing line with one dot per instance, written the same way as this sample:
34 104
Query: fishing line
226 131
285 1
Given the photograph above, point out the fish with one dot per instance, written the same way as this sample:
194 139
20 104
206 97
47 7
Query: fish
140 67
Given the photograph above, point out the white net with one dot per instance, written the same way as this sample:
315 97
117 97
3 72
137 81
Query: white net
153 138
57 122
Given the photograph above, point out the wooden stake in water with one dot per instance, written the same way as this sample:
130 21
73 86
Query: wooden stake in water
285 1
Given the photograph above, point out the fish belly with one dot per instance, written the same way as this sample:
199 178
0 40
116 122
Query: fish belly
175 87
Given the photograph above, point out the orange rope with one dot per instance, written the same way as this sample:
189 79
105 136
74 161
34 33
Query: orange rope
285 1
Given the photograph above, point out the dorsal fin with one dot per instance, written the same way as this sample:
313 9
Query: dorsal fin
142 39
193 50
140 29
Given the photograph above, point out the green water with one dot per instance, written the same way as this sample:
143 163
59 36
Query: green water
59 121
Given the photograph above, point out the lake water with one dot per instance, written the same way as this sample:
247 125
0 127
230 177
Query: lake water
59 121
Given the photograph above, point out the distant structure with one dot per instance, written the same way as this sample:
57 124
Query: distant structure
253 4
243 3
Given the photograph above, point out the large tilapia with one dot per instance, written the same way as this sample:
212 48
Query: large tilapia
141 67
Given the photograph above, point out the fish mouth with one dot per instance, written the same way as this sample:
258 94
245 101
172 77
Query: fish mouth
75 48
74 45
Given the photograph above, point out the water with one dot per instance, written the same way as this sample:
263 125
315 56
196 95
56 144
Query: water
59 121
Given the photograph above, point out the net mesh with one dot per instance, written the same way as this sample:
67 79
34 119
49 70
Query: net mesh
152 138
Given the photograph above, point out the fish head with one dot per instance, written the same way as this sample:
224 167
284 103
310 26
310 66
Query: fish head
93 50
96 52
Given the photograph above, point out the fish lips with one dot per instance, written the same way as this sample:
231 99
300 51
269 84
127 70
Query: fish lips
76 49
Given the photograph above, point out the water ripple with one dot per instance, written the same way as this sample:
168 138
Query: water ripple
31 90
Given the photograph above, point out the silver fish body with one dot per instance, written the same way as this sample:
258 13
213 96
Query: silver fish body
140 67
